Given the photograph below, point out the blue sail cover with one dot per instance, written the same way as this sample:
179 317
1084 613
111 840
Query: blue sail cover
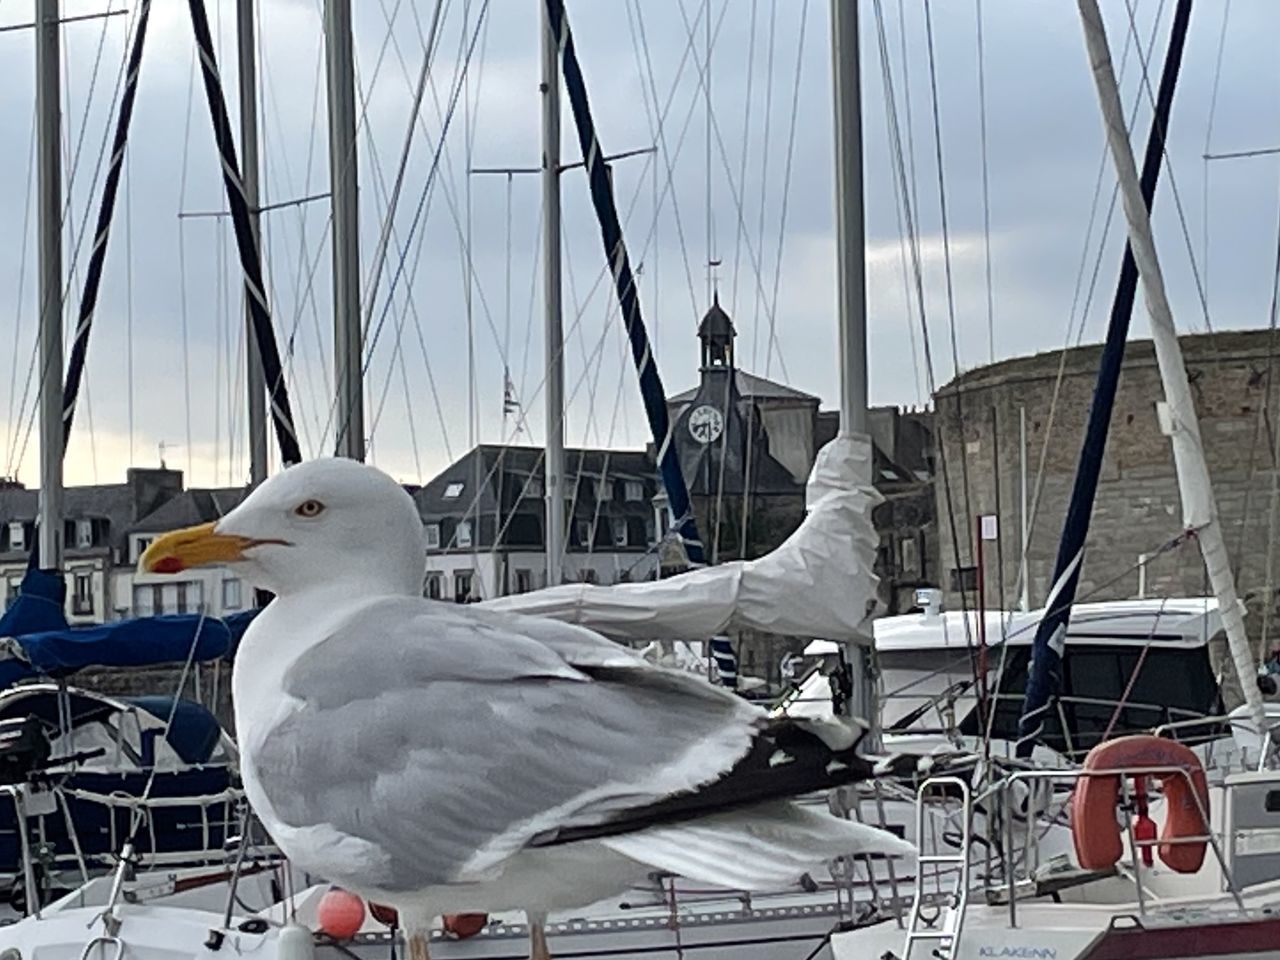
38 606
48 646
144 642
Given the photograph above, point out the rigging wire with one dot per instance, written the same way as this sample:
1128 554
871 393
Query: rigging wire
182 265
667 157
986 185
1147 88
1208 143
772 309
1060 377
746 144
771 341
723 152
12 422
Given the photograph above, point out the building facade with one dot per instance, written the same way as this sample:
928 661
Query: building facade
485 528
1137 513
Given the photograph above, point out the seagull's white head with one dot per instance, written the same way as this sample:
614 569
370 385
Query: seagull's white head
331 523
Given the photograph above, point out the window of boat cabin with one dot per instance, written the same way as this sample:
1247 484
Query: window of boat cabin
1170 684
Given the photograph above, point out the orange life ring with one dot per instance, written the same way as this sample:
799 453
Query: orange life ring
1094 829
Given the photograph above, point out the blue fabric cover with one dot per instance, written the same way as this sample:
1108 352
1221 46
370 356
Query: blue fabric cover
38 607
142 642
195 731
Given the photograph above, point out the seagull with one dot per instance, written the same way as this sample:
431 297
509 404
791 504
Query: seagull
441 758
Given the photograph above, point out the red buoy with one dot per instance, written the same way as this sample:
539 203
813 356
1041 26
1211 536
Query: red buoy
340 913
459 926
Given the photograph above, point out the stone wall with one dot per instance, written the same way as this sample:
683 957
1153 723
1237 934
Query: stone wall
1138 508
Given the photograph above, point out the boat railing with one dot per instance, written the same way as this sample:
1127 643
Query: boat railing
1030 778
1236 760
118 819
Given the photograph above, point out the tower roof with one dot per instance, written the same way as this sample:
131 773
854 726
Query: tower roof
716 327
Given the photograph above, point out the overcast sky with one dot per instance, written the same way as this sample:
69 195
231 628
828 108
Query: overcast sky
166 362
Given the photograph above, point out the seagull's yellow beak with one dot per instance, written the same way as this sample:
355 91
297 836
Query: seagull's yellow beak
198 546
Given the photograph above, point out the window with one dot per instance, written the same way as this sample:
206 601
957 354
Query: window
14 588
587 576
620 532
140 545
524 581
633 490
231 594
433 536
157 598
1109 690
462 580
142 602
189 597
431 586
17 535
533 487
964 579
453 491
462 535
583 528
909 559
82 594
84 534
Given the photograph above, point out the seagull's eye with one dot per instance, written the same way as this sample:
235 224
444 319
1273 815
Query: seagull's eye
309 508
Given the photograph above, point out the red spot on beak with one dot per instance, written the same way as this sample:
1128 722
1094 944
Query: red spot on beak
168 565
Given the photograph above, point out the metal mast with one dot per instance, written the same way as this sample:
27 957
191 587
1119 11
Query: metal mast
49 225
256 383
851 271
554 333
851 291
348 354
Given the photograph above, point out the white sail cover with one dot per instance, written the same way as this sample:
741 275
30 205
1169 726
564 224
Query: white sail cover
818 583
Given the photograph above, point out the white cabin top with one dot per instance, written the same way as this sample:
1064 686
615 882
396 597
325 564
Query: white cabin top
1183 622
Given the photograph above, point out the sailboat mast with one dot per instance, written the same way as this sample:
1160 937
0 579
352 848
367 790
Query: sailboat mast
851 270
851 287
49 220
254 380
348 355
1199 509
553 322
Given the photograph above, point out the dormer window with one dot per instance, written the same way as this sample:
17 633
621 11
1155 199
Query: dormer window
453 491
84 534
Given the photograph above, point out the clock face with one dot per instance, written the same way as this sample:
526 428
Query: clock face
706 424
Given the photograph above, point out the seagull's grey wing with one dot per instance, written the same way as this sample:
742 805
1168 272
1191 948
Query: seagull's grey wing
446 741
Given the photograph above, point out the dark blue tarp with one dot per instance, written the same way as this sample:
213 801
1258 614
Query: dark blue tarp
38 607
52 648
194 732
143 642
